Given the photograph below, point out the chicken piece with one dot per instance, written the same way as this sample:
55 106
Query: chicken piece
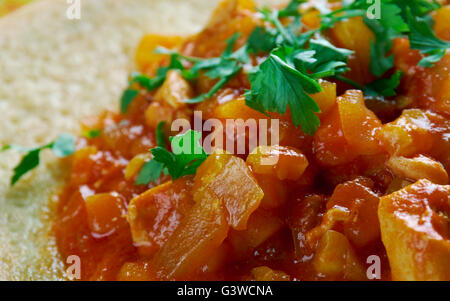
409 134
351 208
174 91
417 168
169 101
415 229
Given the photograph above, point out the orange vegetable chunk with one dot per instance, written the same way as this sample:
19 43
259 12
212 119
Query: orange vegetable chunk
106 212
283 161
441 25
355 35
261 225
330 147
358 123
229 179
155 214
326 98
146 59
335 257
197 237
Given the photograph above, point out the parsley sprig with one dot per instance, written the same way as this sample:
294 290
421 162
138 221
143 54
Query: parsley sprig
400 18
298 57
63 146
186 156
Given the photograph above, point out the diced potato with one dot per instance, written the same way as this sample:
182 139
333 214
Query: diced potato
417 168
362 226
287 163
262 224
335 258
264 273
194 241
155 214
409 134
146 60
236 109
326 98
174 91
311 19
441 25
106 212
355 35
415 227
228 178
358 123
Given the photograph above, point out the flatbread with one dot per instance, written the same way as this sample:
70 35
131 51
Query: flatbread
53 72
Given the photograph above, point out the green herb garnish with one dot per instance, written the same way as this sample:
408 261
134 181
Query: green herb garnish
186 156
63 146
90 134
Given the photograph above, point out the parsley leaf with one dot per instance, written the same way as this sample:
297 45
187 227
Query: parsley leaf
292 9
150 172
277 84
385 86
159 133
262 40
385 29
63 146
224 68
127 97
186 156
148 83
330 60
422 37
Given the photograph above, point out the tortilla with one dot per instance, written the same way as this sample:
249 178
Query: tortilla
54 72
